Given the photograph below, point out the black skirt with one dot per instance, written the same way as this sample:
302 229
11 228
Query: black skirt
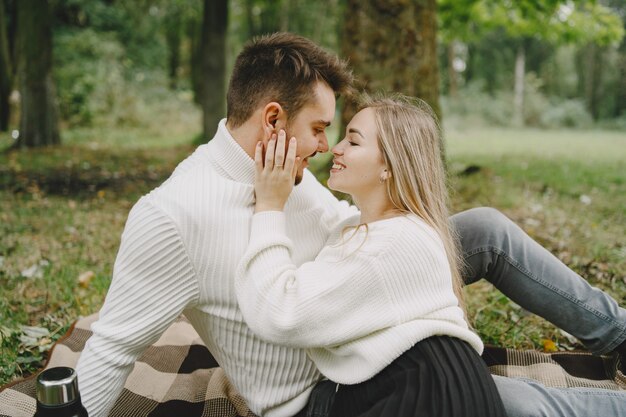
438 377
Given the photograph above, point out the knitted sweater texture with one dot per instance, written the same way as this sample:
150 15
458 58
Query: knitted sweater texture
370 294
179 252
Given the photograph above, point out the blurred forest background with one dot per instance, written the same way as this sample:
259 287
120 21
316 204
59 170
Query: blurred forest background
99 99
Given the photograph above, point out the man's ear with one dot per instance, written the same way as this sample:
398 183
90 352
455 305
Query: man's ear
274 118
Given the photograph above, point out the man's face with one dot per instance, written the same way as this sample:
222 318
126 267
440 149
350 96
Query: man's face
309 125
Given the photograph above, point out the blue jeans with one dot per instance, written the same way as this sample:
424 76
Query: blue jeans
528 398
496 249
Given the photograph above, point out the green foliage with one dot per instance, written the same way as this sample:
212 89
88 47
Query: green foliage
567 113
89 75
476 107
99 87
555 21
319 21
136 24
593 23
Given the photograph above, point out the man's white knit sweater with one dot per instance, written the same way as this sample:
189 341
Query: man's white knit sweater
179 252
370 294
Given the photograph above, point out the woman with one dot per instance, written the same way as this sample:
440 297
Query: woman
379 307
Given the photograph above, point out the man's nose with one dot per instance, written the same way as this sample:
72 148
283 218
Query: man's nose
322 145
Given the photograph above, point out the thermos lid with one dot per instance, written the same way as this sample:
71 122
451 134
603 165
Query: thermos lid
57 386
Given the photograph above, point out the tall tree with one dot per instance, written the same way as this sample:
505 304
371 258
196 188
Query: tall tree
6 70
173 36
39 123
212 59
392 46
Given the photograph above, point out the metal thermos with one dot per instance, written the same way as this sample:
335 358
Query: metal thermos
57 394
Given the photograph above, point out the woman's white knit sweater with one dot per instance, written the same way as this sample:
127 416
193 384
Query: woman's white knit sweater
370 294
179 252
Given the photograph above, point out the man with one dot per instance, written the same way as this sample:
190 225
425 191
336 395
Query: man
183 240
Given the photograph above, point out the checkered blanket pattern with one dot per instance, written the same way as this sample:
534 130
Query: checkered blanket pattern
177 376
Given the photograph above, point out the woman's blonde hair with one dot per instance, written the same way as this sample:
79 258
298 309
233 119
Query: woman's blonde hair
409 137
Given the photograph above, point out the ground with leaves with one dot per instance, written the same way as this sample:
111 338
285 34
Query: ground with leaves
62 212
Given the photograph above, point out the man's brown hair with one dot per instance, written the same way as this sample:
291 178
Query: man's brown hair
281 67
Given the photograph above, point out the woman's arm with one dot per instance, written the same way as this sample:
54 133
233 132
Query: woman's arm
322 303
319 304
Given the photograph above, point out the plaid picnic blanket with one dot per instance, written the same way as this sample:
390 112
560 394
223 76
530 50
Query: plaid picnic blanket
185 380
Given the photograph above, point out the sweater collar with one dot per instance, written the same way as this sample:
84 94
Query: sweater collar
229 157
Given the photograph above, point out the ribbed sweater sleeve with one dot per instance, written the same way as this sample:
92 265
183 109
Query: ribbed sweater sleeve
153 282
321 303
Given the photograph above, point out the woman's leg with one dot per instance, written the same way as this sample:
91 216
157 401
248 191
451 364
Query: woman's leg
498 250
528 398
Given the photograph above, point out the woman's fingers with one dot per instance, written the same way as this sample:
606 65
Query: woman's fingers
258 157
279 158
291 155
269 153
275 158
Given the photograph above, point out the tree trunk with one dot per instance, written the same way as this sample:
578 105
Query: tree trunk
520 71
6 71
39 123
392 46
194 28
592 78
452 79
248 6
173 23
213 58
284 7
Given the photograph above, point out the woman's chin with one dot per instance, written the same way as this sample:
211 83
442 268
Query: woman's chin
335 187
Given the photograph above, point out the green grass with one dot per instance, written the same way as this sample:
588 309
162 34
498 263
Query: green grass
62 212
567 189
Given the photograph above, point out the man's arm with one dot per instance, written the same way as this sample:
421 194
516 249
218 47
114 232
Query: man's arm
153 282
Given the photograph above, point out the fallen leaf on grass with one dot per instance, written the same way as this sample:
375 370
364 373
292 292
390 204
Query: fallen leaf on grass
35 271
569 337
85 278
31 335
28 359
5 333
549 345
44 342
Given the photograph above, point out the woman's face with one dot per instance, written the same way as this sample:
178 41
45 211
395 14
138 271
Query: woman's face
358 162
